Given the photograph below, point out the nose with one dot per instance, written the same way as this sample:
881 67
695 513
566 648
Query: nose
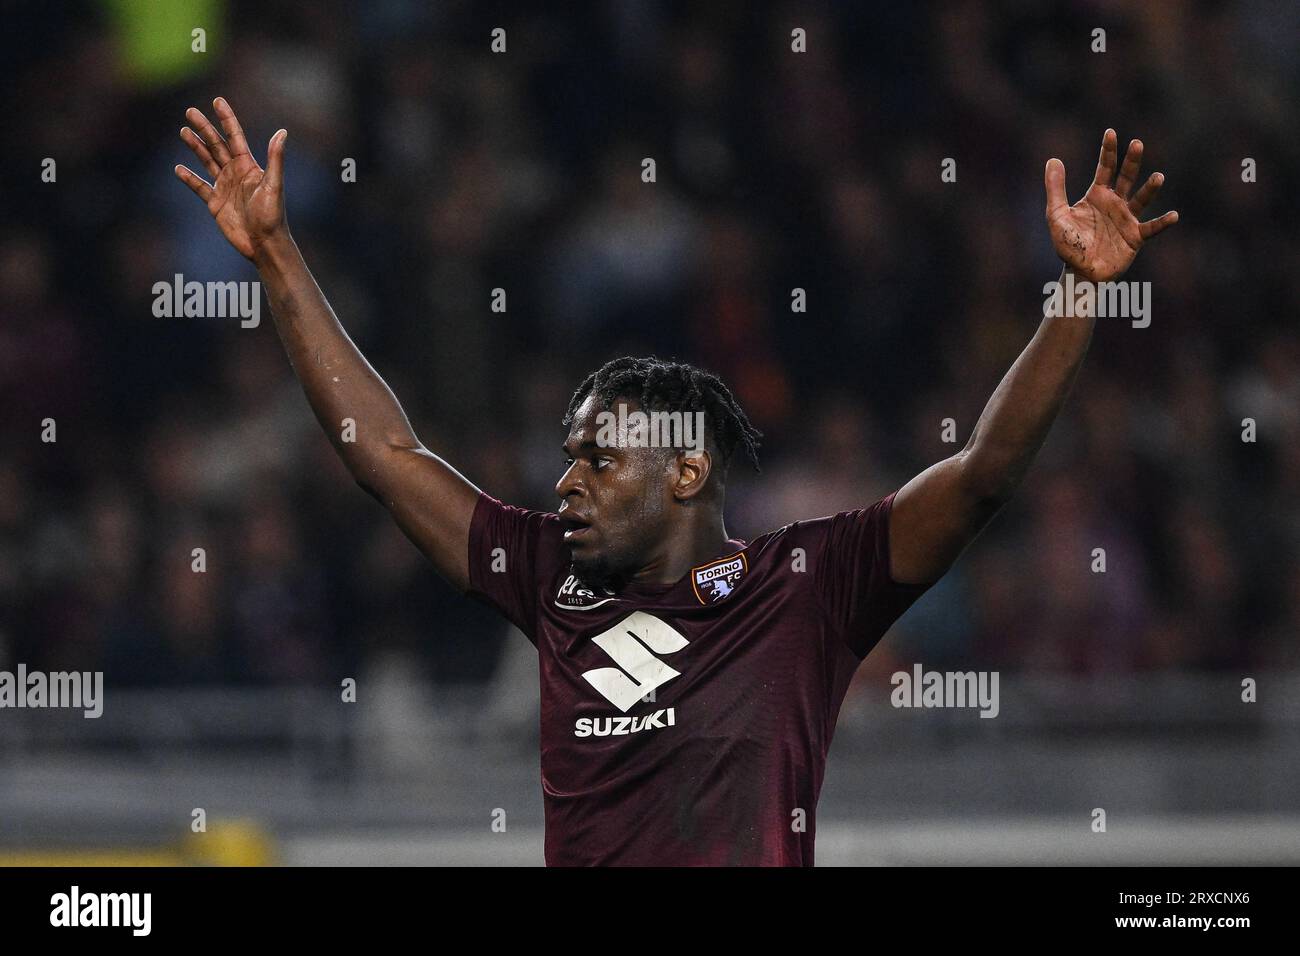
570 484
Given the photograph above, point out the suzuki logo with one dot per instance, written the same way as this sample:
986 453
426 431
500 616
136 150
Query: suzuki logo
639 672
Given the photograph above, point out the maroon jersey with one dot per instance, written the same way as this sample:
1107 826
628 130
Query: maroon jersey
688 723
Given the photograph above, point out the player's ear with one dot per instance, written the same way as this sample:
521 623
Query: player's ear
693 470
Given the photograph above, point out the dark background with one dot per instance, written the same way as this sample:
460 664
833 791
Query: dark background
521 171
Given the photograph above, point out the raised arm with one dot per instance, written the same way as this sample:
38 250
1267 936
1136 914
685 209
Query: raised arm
940 511
431 501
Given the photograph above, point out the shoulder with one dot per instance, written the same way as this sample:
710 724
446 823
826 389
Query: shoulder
528 540
822 530
490 512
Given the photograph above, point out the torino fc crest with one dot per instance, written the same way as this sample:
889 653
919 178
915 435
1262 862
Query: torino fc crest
714 582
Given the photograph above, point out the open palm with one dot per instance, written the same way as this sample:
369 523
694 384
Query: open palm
246 200
1099 236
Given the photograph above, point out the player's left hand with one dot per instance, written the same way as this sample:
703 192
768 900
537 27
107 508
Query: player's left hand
1099 236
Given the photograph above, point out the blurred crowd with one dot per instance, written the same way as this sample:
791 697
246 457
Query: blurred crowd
522 171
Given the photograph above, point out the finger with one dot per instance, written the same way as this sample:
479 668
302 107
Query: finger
191 139
211 138
1154 227
1054 180
201 188
1106 163
234 134
274 177
1146 193
1128 173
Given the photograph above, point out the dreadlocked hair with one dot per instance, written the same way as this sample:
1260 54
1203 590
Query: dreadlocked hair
673 387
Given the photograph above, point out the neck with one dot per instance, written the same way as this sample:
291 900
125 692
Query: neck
698 540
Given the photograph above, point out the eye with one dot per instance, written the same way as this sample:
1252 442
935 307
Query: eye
600 462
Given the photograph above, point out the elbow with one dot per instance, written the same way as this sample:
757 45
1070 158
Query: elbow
990 484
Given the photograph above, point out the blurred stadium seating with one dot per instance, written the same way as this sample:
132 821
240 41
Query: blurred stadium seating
520 171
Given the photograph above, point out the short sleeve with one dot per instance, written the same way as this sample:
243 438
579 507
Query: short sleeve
508 559
851 552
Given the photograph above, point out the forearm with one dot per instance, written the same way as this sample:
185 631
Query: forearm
340 384
1019 415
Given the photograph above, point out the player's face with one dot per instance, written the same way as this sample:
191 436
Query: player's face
615 501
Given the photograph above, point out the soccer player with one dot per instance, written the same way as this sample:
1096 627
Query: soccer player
690 681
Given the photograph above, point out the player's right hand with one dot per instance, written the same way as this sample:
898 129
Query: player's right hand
246 200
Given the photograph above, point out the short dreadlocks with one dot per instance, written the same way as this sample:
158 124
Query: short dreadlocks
673 387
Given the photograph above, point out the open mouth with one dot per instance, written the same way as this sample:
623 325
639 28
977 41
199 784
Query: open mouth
575 528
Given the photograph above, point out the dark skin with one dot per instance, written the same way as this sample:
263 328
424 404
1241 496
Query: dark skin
941 511
653 514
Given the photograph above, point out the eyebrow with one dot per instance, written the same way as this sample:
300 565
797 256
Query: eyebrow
587 445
